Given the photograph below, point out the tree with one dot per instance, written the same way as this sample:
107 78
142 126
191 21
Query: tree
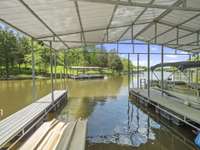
8 48
114 62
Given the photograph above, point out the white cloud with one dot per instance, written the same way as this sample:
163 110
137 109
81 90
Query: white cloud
171 56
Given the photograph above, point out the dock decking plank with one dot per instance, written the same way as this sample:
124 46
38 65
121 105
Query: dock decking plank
171 104
14 124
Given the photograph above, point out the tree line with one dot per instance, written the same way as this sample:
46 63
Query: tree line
16 56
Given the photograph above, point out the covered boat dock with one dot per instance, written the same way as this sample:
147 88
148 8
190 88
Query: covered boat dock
68 24
81 72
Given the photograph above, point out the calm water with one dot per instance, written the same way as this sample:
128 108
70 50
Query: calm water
114 121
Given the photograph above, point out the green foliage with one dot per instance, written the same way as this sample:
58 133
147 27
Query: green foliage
16 56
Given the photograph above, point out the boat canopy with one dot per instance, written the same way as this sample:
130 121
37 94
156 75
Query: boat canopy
76 23
179 65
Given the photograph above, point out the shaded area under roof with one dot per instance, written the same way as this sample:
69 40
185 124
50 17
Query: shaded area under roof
76 23
179 65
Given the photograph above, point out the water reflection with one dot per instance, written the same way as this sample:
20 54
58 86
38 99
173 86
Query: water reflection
114 121
16 94
85 95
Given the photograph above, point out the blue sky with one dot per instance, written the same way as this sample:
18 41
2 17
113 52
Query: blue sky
155 59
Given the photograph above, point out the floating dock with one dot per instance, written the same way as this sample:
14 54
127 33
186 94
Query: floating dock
20 123
169 107
58 135
84 77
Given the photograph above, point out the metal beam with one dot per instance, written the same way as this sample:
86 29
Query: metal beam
18 29
132 40
156 32
51 64
128 70
36 16
138 4
110 21
175 26
188 44
136 19
180 37
125 43
158 18
33 70
92 30
148 70
170 24
138 69
80 22
162 70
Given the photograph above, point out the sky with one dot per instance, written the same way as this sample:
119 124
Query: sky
154 59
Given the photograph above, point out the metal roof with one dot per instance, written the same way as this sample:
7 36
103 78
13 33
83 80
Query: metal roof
179 65
75 23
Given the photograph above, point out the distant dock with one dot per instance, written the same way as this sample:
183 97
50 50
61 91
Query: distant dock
84 77
14 127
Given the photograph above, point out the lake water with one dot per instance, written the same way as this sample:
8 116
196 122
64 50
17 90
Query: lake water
115 122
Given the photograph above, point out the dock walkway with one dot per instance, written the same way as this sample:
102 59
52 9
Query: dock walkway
170 105
192 101
19 122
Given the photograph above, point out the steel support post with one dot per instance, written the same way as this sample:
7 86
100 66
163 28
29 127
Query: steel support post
148 69
128 71
117 47
52 83
156 29
197 75
138 67
133 45
65 69
55 69
190 75
33 70
162 73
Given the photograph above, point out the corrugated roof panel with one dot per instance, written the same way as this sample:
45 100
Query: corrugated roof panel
75 45
188 39
16 14
59 15
95 36
115 33
178 16
164 2
193 3
150 14
136 30
149 34
126 15
94 15
194 24
56 45
141 1
71 37
167 36
174 36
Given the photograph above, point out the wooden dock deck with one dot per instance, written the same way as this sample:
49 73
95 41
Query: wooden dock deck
192 101
58 135
169 105
20 122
